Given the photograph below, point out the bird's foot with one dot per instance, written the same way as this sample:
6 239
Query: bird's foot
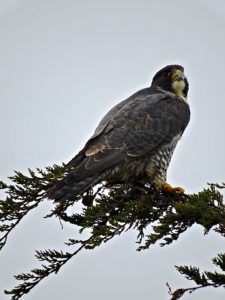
169 188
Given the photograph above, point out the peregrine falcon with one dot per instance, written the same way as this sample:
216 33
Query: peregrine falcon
135 140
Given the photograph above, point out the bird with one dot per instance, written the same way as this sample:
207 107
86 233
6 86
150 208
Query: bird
134 141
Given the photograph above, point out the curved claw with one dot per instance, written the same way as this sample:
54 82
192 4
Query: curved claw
166 186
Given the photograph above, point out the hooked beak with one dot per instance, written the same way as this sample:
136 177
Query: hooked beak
177 75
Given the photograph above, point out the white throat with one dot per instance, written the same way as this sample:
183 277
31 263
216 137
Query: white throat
178 90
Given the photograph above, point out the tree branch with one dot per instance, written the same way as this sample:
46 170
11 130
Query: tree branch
115 209
206 279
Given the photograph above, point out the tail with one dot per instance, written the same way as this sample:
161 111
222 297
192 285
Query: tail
69 188
87 172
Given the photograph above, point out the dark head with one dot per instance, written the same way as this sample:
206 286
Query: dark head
172 79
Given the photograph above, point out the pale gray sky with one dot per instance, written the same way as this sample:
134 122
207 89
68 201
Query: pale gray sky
63 65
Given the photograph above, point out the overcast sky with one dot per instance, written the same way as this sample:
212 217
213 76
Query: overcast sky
64 64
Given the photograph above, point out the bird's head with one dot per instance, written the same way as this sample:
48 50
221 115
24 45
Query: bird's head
172 79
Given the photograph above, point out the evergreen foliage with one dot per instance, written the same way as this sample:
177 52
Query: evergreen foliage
115 209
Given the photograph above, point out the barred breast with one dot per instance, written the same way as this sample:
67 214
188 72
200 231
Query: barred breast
151 168
158 164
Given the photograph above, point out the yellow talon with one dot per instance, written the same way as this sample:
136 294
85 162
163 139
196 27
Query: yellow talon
169 188
179 189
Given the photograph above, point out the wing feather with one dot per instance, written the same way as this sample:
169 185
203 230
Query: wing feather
143 124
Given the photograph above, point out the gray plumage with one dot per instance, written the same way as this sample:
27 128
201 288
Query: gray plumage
134 141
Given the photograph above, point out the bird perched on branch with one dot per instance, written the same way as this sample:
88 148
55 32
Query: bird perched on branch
135 140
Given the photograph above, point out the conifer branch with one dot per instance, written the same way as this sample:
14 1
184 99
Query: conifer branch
55 260
24 195
202 280
115 209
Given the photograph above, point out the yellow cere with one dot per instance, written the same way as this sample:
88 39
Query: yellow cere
176 73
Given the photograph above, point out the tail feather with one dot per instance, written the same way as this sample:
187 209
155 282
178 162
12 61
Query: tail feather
86 172
63 190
